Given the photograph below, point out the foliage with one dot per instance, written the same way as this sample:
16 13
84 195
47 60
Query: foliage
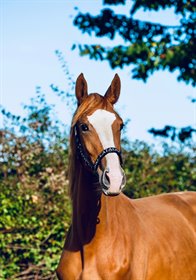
35 208
149 172
148 46
34 205
184 134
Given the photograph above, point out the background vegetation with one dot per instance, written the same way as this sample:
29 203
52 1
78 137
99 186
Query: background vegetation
147 46
35 208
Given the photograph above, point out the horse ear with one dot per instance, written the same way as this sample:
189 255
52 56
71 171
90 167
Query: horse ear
113 92
81 88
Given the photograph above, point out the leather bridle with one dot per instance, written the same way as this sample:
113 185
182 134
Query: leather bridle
85 157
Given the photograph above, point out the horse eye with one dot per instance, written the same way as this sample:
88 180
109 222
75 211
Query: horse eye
84 127
121 126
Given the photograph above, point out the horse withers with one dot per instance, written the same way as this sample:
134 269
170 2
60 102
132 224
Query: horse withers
112 237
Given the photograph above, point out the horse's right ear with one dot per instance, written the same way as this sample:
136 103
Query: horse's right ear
113 92
81 89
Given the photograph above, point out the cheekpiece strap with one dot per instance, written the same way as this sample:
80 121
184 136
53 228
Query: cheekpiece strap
85 157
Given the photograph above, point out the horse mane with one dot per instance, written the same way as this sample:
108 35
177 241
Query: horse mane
92 102
83 186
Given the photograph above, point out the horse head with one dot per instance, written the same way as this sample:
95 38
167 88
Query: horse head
97 129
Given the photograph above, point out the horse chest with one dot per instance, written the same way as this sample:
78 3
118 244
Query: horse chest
97 266
107 259
104 268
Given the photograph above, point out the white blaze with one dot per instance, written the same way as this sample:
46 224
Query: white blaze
102 121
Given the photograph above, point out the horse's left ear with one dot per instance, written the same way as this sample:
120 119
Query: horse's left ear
113 92
81 88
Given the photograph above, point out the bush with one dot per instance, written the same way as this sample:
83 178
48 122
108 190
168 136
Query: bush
34 206
150 173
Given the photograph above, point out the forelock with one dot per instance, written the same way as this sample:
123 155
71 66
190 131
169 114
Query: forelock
89 105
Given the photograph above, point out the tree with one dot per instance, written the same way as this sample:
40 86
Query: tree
183 134
148 46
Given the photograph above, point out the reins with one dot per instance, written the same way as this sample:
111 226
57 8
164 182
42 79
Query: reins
85 157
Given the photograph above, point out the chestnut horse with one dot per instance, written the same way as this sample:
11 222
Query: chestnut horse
112 237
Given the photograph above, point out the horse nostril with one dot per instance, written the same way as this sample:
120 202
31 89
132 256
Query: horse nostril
123 180
106 179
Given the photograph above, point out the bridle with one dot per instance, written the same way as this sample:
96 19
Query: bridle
85 157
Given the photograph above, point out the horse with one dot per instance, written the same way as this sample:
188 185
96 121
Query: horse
113 237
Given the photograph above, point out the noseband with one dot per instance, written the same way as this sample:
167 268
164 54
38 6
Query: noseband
85 157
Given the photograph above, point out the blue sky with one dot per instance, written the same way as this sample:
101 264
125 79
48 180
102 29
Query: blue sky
31 31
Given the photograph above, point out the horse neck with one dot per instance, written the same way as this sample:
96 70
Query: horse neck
87 204
89 208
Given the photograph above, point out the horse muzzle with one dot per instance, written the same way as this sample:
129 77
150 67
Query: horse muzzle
112 183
